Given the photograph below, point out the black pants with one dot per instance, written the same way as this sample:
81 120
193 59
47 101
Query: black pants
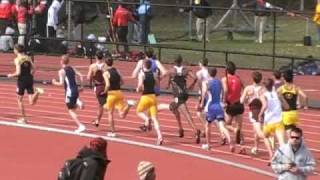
122 32
3 25
51 32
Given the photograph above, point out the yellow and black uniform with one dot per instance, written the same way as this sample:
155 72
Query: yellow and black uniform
290 116
115 97
25 79
148 99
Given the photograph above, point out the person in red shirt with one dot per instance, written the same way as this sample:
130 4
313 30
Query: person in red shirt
21 13
120 21
232 87
5 15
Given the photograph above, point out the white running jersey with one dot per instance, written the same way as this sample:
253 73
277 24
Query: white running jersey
255 93
273 111
203 75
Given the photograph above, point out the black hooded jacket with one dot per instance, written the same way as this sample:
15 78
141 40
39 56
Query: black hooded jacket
97 164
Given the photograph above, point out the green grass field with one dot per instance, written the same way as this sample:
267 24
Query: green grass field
289 39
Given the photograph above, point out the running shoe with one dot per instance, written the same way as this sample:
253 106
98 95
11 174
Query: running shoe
205 147
111 134
22 121
80 129
80 104
40 90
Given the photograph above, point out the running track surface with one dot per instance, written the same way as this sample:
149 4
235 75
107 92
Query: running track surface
50 111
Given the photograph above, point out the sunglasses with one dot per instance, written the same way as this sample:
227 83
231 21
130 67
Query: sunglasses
295 137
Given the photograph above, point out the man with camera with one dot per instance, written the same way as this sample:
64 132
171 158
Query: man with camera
293 160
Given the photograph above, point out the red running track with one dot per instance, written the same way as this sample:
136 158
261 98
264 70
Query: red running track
50 111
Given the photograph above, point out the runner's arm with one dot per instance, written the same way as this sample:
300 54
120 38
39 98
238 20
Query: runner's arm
140 82
194 77
225 89
243 98
263 108
106 76
78 73
136 70
61 78
163 71
304 97
90 73
203 93
17 72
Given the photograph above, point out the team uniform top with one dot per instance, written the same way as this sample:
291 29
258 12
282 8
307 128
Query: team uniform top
234 89
255 104
213 105
179 80
25 67
290 95
148 83
70 84
98 76
273 111
25 78
114 79
203 75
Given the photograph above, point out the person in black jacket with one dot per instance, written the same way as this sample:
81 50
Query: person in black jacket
96 158
202 17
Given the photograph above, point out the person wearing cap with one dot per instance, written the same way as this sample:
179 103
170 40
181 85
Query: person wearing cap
95 156
146 171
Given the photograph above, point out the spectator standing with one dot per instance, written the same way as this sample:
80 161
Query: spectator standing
316 19
202 18
145 15
260 19
120 21
41 13
21 12
6 41
293 160
52 21
5 15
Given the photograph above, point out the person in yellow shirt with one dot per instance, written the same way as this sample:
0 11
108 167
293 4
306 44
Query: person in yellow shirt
316 19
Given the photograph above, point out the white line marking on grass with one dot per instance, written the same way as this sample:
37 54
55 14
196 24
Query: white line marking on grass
163 148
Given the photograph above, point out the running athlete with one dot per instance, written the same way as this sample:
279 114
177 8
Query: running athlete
251 96
202 75
24 72
156 67
147 80
290 92
277 79
212 89
67 77
95 74
232 87
178 82
270 115
115 99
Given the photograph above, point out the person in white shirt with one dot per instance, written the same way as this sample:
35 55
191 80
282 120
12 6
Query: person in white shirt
52 21
6 41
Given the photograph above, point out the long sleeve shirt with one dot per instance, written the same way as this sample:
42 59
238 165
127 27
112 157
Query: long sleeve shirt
302 158
122 16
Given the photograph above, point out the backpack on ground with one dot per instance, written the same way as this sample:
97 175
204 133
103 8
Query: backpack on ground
72 169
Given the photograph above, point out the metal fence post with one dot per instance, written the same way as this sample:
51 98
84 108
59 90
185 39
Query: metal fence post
159 53
204 38
292 63
274 40
68 9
